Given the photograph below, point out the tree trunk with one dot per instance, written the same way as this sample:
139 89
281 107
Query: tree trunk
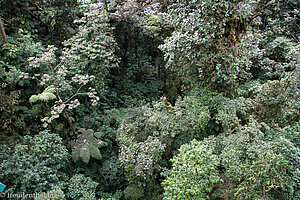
2 31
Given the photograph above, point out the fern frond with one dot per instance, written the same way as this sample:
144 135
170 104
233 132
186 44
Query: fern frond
95 152
33 98
46 95
98 134
75 154
50 89
85 155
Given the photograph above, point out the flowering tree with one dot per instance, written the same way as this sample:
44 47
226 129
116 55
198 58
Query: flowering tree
62 83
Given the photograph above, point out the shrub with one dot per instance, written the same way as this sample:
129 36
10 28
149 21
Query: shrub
260 163
81 188
270 172
134 192
194 173
36 164
205 40
108 196
140 159
54 194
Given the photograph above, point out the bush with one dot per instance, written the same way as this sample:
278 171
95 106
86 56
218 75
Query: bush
140 160
54 194
81 187
194 173
259 162
269 173
36 164
134 192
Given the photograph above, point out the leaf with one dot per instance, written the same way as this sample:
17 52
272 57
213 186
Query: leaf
90 131
46 96
33 98
85 155
75 155
50 89
98 134
82 131
95 152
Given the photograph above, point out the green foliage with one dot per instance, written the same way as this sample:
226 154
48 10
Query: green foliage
87 145
46 95
26 47
36 164
81 188
54 194
139 76
57 17
111 174
273 25
139 159
93 47
108 196
11 123
11 65
278 49
51 21
134 192
260 162
167 122
205 40
278 100
226 73
291 133
194 173
268 173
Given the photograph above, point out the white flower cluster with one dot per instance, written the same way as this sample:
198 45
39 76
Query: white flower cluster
47 58
82 79
57 109
24 75
62 71
58 77
45 78
73 104
92 95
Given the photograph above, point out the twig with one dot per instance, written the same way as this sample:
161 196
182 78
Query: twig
76 93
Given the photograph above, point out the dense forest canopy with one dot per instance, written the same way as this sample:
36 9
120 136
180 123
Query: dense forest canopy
150 99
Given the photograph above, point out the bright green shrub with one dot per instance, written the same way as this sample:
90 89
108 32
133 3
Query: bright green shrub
81 188
36 164
54 194
194 173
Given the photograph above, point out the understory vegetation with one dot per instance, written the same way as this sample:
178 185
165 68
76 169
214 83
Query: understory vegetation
150 99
